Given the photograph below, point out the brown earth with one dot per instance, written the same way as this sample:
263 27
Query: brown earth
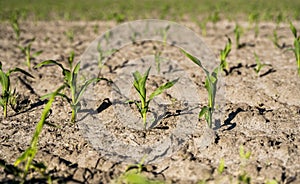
262 112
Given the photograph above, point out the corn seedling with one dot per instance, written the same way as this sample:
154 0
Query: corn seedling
96 28
237 33
70 79
214 18
244 178
107 36
271 182
15 25
103 54
254 18
223 55
244 156
133 35
26 50
119 17
7 94
211 80
279 18
221 166
259 64
140 86
296 48
158 59
164 33
133 174
275 39
29 154
70 35
202 25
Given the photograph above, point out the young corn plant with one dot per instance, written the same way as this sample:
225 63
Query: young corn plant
15 25
70 35
254 18
140 86
259 64
165 34
211 80
158 59
203 26
223 55
214 18
296 48
102 54
275 39
221 166
133 174
26 50
7 94
29 154
70 79
244 156
237 33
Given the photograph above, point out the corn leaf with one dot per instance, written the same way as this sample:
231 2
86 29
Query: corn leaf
140 82
4 81
203 111
49 62
47 96
162 88
30 152
293 29
195 60
221 166
37 53
85 85
19 70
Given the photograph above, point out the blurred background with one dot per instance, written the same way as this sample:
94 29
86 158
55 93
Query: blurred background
176 10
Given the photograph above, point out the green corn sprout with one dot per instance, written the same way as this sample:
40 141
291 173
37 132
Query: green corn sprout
70 35
107 36
296 48
279 19
140 86
7 94
275 39
244 178
259 65
30 152
224 53
243 154
133 174
214 17
165 34
70 79
158 59
15 25
271 182
237 33
254 18
211 88
103 54
221 166
202 24
26 50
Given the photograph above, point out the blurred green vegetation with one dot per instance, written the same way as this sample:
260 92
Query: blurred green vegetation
121 10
